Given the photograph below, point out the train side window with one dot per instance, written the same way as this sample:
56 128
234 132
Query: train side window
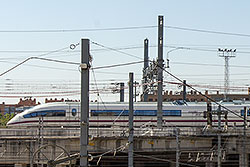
172 113
73 111
27 116
47 113
52 113
145 112
34 114
59 113
242 112
109 112
41 113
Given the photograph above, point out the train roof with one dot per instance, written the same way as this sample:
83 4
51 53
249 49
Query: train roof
174 103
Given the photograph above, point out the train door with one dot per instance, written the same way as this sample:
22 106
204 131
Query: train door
74 112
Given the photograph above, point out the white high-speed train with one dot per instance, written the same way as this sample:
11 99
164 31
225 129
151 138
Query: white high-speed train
116 114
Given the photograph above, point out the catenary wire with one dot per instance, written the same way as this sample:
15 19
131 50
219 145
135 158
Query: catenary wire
205 64
200 92
116 50
98 92
118 65
207 31
110 66
78 30
14 67
41 55
57 61
119 49
122 28
67 62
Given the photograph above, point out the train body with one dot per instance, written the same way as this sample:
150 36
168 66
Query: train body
116 114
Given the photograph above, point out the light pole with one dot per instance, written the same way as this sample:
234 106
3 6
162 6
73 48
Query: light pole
172 51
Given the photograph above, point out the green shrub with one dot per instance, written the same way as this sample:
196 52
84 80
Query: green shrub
5 118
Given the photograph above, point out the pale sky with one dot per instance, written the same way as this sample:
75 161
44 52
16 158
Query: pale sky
40 78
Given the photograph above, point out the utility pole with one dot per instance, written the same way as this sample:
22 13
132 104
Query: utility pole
184 91
209 115
40 137
135 84
131 122
177 133
219 136
145 80
121 92
244 139
226 53
84 124
160 67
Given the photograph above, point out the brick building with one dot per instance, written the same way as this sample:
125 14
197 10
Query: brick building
193 96
59 100
19 107
24 104
53 100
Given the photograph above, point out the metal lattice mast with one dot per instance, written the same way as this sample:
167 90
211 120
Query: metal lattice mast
226 53
226 77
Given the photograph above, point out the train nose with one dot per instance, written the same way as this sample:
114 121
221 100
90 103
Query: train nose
12 121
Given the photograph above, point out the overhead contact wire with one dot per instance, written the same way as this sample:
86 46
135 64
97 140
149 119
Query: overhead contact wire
78 30
116 50
200 93
208 31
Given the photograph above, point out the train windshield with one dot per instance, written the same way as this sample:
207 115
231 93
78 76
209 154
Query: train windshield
46 113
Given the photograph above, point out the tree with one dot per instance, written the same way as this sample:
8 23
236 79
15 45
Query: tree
4 118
